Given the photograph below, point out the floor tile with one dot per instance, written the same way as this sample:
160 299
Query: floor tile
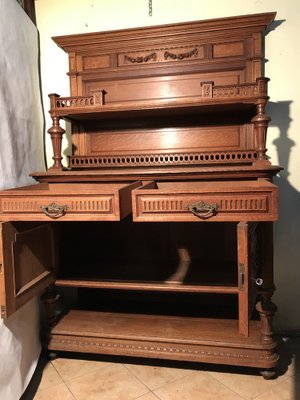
69 368
287 390
155 376
111 383
56 392
148 396
88 379
199 385
50 377
246 385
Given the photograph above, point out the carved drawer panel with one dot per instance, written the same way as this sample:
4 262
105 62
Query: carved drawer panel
205 201
67 202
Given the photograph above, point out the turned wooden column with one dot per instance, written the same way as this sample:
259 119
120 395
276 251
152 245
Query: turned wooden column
56 133
261 121
265 307
50 299
266 310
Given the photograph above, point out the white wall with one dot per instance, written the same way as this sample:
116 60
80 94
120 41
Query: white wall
79 16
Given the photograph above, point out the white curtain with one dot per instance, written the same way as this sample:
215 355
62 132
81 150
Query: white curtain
21 152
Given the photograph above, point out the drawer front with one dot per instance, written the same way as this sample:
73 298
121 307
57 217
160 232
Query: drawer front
56 207
67 203
200 207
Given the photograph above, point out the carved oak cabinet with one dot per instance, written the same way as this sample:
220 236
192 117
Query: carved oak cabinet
161 224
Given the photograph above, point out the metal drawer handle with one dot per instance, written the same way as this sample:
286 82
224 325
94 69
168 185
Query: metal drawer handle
203 210
54 210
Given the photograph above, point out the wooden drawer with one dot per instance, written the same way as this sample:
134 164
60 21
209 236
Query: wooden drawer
67 202
206 201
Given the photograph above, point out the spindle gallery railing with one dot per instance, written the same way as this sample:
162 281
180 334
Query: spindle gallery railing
207 90
161 159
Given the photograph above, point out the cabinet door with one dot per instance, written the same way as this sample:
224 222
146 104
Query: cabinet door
247 270
27 262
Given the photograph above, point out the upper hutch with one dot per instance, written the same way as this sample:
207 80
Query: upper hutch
168 130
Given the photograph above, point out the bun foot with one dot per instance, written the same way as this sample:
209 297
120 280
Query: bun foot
268 373
52 355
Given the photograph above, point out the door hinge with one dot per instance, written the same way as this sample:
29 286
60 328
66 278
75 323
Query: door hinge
3 311
241 276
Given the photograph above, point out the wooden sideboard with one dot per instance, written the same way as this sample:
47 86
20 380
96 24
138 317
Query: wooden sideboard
162 221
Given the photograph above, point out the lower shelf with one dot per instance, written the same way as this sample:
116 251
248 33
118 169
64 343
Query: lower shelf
162 337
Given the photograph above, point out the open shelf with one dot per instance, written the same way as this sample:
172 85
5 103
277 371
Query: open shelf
209 98
164 257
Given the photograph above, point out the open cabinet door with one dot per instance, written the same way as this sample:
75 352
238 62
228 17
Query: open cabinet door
243 277
27 262
247 270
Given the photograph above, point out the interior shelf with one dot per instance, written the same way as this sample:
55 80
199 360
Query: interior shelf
170 337
150 286
128 325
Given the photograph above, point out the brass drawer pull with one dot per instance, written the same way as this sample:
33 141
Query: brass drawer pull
54 210
203 210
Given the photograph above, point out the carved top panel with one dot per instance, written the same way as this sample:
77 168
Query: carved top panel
224 44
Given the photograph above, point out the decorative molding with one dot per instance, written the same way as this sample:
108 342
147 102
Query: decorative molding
20 206
258 89
87 342
162 54
162 205
198 158
181 56
225 203
95 100
141 59
96 204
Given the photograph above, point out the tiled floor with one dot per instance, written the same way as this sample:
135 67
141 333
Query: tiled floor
91 378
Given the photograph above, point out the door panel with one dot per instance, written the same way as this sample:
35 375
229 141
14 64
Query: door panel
243 277
28 263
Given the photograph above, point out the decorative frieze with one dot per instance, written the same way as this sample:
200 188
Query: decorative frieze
106 346
195 158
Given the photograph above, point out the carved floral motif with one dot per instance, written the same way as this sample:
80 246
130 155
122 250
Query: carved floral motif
180 56
140 59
